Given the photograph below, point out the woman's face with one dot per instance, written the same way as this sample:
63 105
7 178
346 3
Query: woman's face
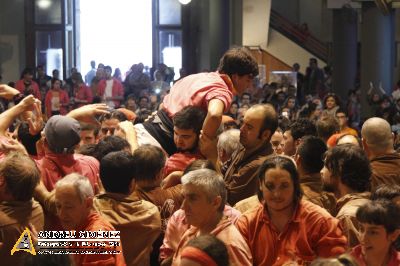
330 103
57 85
291 103
278 189
234 109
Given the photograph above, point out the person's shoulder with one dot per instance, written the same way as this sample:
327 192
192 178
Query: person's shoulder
309 210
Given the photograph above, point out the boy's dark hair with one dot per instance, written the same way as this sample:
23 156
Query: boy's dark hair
327 126
311 151
116 172
386 191
380 212
238 61
27 139
349 163
190 117
110 144
302 127
120 116
148 161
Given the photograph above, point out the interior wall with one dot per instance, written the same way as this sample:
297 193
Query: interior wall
12 39
256 15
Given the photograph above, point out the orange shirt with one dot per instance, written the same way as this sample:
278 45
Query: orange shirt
349 130
311 233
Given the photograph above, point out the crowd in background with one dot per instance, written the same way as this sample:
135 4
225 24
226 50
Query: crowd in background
245 174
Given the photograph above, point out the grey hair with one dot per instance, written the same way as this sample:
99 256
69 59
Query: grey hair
79 182
210 182
229 141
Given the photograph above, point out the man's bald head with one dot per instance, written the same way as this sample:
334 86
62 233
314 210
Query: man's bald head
377 134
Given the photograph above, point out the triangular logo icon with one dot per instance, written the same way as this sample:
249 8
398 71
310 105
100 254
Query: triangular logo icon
24 243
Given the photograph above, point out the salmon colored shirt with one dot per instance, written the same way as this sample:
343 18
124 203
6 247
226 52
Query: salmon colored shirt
239 252
94 223
177 226
198 90
311 233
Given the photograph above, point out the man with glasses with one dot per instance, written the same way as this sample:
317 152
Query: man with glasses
343 119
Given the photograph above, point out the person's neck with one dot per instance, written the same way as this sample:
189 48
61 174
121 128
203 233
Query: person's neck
251 150
342 190
377 260
373 155
145 184
282 217
210 225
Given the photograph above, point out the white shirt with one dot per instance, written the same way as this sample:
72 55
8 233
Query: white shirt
108 92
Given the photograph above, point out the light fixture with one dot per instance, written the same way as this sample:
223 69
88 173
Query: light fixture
184 2
43 4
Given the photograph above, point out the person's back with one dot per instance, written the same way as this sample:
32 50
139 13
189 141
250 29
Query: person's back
126 212
377 141
309 164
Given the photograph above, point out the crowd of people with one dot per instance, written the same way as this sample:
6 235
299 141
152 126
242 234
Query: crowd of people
209 170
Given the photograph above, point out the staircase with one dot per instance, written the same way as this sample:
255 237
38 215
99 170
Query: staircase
299 36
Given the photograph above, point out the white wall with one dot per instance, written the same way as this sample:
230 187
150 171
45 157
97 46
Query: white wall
288 51
256 15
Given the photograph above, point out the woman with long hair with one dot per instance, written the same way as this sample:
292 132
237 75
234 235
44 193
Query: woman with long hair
57 100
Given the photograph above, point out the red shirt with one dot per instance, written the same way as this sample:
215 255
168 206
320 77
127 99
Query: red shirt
179 161
197 90
53 167
94 223
311 233
117 90
83 93
357 254
20 85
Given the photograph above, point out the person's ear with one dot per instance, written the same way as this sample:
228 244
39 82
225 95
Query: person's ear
217 202
132 186
266 135
394 235
89 202
2 181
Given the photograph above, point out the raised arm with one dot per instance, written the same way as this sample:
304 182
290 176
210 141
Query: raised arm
213 118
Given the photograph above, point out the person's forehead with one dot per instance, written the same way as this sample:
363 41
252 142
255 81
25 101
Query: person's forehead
182 131
110 122
277 175
192 190
66 193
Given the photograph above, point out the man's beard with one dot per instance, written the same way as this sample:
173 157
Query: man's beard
192 150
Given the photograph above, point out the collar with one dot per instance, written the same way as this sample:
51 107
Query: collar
352 196
294 219
119 197
228 82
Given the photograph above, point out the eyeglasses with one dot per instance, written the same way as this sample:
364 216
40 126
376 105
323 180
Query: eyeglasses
104 130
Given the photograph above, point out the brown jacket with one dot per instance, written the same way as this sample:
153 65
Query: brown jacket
385 170
14 218
138 220
312 188
346 214
240 173
167 200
